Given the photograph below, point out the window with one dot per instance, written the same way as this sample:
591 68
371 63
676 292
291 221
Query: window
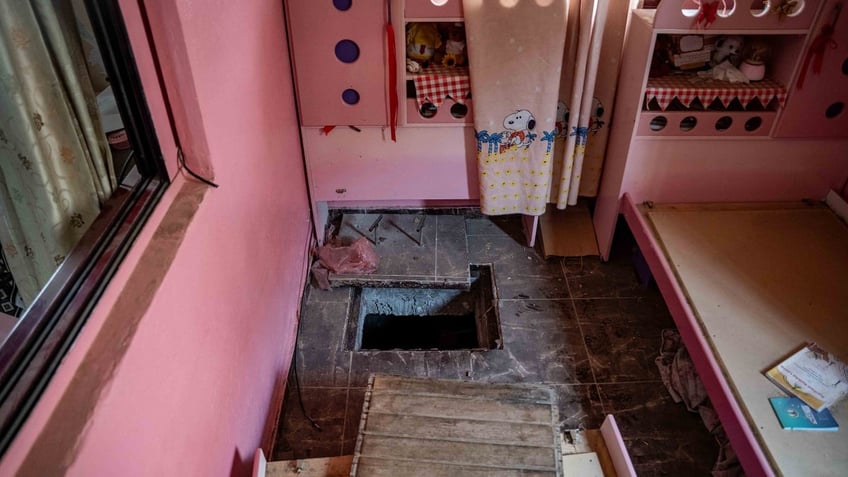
80 171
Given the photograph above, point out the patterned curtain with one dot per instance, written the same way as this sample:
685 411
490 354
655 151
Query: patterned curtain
55 165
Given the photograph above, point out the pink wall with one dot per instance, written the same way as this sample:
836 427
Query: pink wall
194 389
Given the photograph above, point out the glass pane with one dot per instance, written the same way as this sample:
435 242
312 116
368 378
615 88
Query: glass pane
63 147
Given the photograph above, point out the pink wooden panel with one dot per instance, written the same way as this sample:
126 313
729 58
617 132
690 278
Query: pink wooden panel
751 456
424 163
427 9
805 112
680 15
443 115
759 123
315 28
706 170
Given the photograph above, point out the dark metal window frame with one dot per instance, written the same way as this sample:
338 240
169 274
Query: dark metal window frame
34 349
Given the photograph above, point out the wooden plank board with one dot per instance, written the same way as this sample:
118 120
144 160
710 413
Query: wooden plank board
376 467
461 430
459 408
762 281
415 426
569 232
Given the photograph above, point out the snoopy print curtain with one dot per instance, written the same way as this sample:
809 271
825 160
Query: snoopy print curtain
515 76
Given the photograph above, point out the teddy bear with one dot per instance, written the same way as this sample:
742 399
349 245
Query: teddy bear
455 46
422 40
727 48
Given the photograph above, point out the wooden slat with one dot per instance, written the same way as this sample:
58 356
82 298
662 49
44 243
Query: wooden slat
520 393
403 404
464 453
460 430
376 467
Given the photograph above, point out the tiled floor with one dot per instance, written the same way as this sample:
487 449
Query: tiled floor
588 329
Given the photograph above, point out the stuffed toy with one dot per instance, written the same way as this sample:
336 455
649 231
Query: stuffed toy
422 40
455 46
727 48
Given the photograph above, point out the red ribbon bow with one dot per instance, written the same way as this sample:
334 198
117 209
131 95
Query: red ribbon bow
707 13
815 54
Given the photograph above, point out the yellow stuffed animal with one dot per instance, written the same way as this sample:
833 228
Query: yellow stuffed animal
422 40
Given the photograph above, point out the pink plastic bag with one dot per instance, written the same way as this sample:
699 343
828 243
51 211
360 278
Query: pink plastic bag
356 258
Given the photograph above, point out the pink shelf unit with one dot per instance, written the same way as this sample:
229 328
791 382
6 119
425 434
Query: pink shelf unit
339 57
743 124
737 15
818 107
425 9
443 117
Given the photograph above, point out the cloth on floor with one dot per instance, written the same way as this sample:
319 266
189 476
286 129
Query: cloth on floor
358 257
515 60
684 385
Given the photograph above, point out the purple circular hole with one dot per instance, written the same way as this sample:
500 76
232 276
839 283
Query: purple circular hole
350 96
347 51
342 4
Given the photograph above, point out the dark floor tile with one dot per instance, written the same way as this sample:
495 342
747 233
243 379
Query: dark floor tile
355 401
649 311
507 226
297 438
335 295
588 277
579 406
554 315
399 363
400 255
518 287
451 247
321 357
448 364
534 355
660 435
621 352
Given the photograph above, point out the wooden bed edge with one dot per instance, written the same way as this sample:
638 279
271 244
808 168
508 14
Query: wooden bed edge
838 205
744 442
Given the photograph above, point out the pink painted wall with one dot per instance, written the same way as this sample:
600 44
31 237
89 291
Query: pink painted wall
194 391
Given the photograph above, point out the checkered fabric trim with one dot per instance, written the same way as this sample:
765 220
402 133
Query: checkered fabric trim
687 88
436 83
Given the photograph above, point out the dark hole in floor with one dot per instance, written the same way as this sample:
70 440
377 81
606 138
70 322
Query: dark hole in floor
419 332
427 318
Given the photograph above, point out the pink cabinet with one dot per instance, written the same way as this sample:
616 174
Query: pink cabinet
817 108
339 51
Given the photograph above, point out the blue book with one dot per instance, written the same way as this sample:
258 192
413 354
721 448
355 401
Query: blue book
795 415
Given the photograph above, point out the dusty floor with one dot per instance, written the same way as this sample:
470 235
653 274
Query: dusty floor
587 329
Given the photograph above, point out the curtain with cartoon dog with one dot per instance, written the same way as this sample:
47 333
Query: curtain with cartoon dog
515 50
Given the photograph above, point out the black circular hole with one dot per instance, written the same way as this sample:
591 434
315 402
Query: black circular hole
347 51
723 123
428 110
350 96
342 4
753 124
845 67
688 123
658 123
459 111
834 110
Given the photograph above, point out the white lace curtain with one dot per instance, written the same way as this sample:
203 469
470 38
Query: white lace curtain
55 165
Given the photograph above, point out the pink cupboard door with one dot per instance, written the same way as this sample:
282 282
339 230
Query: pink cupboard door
339 61
819 107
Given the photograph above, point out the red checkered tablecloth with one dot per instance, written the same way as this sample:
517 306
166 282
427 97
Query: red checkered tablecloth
689 87
436 83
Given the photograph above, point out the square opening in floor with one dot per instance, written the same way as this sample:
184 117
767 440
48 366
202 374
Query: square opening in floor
427 318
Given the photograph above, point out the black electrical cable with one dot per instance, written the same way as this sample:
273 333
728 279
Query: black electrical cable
294 369
183 164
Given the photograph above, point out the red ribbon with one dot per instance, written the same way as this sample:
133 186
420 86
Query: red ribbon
393 93
815 54
707 13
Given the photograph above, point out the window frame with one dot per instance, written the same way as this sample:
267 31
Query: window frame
36 346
